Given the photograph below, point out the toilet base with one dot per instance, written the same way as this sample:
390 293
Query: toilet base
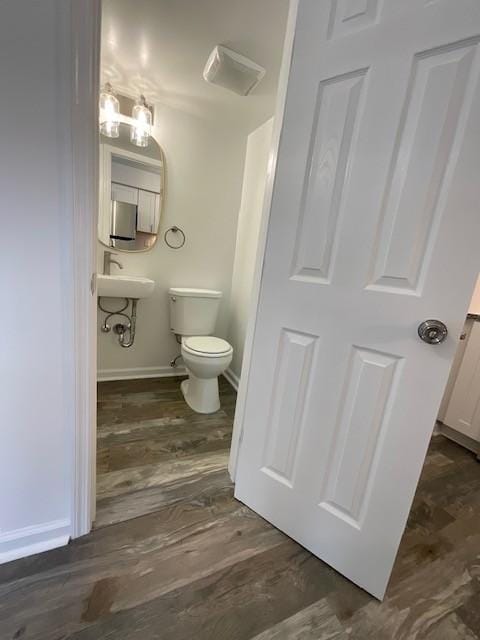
201 394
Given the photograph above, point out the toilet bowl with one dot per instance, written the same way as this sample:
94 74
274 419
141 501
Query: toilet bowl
193 315
205 358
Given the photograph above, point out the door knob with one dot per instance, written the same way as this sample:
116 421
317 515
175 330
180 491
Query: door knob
432 331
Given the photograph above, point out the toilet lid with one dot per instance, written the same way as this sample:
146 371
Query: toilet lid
207 344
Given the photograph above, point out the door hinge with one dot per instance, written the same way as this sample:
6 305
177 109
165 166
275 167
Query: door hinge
93 283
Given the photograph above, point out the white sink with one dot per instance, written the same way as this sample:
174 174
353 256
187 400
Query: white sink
124 286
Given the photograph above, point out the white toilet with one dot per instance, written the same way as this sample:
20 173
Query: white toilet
193 315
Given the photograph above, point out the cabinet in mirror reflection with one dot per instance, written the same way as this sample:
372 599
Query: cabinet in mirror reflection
131 192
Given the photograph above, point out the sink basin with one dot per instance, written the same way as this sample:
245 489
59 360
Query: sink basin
124 286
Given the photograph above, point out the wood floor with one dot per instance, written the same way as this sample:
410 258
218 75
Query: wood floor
153 450
174 556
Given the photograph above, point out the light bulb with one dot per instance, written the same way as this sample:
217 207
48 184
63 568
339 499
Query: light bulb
140 131
109 113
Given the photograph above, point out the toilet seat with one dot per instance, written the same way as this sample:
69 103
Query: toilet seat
206 346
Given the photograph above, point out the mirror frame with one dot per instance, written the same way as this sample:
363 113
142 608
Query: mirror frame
106 151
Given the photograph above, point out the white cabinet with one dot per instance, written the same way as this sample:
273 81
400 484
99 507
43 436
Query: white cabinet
124 193
148 209
134 179
148 204
463 409
142 176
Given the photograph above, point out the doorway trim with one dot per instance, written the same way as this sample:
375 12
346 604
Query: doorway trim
86 21
259 261
85 17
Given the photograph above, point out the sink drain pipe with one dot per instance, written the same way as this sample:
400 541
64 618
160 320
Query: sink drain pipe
124 331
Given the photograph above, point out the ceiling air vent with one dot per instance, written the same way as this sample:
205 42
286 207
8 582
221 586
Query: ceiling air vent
232 71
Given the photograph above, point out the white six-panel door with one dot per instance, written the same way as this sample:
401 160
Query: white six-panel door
374 227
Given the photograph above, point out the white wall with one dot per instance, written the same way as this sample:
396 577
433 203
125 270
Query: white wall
253 191
204 179
36 369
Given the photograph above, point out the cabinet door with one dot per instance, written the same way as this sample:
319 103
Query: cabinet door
123 193
146 220
457 363
157 213
463 411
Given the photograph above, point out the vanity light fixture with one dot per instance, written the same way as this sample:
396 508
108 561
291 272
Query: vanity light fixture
140 130
109 113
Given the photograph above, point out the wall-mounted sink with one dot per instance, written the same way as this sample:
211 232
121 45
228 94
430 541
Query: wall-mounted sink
124 286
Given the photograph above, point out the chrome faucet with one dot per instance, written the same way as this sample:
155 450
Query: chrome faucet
108 261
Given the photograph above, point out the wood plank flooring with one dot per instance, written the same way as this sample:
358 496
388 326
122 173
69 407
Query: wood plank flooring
174 557
153 450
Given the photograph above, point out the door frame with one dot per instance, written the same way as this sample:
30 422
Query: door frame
85 21
85 54
238 423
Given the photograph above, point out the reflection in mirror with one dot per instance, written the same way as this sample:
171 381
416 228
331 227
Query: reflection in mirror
131 192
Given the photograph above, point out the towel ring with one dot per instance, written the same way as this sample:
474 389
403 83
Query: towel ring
174 230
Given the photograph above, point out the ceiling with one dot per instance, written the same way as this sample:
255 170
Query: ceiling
159 48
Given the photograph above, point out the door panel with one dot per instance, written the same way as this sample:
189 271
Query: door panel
373 228
409 219
336 115
286 415
348 16
363 414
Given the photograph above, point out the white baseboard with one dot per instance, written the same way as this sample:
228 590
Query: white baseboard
459 438
232 378
36 539
105 375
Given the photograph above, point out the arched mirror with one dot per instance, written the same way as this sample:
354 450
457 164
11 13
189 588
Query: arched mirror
131 192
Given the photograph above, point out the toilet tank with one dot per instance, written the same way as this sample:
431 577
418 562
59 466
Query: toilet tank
193 312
